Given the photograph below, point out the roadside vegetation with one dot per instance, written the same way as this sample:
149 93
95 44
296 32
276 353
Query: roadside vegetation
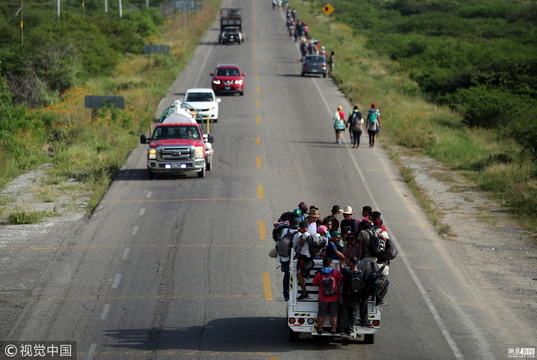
44 83
455 81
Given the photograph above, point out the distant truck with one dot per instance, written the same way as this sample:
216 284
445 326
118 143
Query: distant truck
231 26
302 314
178 145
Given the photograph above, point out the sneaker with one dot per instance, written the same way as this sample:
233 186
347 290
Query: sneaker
302 297
364 324
333 332
286 299
380 303
319 332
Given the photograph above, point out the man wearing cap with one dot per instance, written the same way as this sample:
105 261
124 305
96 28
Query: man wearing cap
373 123
348 224
284 260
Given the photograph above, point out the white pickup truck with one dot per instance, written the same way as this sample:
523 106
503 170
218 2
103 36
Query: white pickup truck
302 314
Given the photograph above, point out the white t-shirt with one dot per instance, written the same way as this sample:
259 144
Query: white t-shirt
305 249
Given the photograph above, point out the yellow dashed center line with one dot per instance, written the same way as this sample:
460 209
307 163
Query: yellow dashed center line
258 89
258 141
256 67
262 230
266 286
255 59
254 51
260 193
257 77
258 119
257 103
258 161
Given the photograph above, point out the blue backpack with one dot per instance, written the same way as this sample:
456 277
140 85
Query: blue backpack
373 117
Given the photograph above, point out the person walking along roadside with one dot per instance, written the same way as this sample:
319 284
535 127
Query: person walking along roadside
339 123
355 122
373 124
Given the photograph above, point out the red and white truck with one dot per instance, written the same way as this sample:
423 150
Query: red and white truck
178 145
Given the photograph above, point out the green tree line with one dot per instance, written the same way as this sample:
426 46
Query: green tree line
477 56
60 53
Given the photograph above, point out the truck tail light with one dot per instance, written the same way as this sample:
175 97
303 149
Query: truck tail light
292 320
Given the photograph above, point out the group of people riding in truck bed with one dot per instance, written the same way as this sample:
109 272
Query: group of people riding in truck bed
362 247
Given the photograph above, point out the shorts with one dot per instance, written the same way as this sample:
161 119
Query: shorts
305 264
326 308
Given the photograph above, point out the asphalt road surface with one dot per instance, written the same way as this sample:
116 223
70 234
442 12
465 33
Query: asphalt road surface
178 267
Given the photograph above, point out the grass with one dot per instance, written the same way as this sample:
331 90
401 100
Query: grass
409 120
20 217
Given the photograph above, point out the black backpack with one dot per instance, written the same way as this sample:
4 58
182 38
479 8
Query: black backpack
284 245
277 231
376 281
356 285
376 244
391 250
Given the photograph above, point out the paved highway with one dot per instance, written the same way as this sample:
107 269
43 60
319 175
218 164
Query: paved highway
178 267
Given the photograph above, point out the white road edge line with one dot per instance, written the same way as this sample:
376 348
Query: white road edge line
91 351
149 193
125 253
142 211
106 309
135 230
447 335
117 279
203 66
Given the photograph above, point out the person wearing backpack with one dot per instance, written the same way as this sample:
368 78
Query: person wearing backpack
364 240
373 124
352 293
355 122
302 253
327 279
339 123
285 260
372 271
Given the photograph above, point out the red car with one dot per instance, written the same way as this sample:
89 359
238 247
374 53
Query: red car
228 78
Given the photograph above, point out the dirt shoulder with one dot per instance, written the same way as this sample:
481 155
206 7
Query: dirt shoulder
485 240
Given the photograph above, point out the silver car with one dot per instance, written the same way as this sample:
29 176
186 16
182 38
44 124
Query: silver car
314 64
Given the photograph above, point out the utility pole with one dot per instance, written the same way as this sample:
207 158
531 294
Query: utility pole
58 8
106 6
120 10
147 3
22 11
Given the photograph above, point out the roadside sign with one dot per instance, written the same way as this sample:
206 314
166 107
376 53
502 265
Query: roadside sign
98 102
328 9
156 49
